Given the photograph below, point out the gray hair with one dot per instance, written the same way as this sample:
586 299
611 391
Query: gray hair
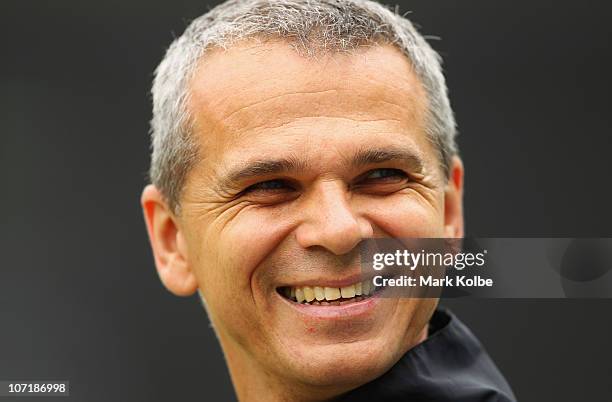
310 27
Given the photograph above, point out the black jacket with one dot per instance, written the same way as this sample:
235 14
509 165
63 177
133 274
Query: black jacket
450 365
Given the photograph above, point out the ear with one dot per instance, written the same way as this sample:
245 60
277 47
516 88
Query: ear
168 244
453 200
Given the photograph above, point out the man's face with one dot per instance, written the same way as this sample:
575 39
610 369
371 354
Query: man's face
301 159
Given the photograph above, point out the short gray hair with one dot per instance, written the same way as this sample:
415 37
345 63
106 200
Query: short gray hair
310 27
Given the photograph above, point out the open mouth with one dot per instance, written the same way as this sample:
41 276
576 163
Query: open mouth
328 296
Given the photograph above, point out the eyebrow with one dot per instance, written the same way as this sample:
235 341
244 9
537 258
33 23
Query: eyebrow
380 155
363 157
263 167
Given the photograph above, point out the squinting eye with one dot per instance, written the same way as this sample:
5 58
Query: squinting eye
270 185
384 174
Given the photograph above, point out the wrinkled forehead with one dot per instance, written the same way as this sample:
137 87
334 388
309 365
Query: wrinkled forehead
242 94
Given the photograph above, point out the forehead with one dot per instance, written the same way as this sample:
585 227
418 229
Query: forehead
259 93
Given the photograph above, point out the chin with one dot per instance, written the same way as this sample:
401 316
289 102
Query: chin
344 365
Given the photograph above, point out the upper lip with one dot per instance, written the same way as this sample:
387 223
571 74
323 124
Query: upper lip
332 283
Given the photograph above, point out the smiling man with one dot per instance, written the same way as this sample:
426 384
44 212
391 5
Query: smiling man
284 134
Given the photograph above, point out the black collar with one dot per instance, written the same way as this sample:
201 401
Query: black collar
450 365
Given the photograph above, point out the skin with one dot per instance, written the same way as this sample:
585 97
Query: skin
300 219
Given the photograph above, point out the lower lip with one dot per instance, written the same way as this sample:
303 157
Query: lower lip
349 310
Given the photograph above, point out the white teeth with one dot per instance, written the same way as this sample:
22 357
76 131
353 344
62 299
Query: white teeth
348 291
365 287
299 295
309 294
332 293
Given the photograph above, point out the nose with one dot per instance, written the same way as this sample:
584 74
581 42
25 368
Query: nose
329 221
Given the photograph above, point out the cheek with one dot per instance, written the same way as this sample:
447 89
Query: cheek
237 247
231 252
408 216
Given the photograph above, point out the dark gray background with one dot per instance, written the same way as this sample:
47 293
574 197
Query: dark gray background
79 297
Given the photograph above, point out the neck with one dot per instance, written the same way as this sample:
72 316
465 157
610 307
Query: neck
254 383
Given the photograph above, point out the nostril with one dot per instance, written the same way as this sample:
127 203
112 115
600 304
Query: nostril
337 237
